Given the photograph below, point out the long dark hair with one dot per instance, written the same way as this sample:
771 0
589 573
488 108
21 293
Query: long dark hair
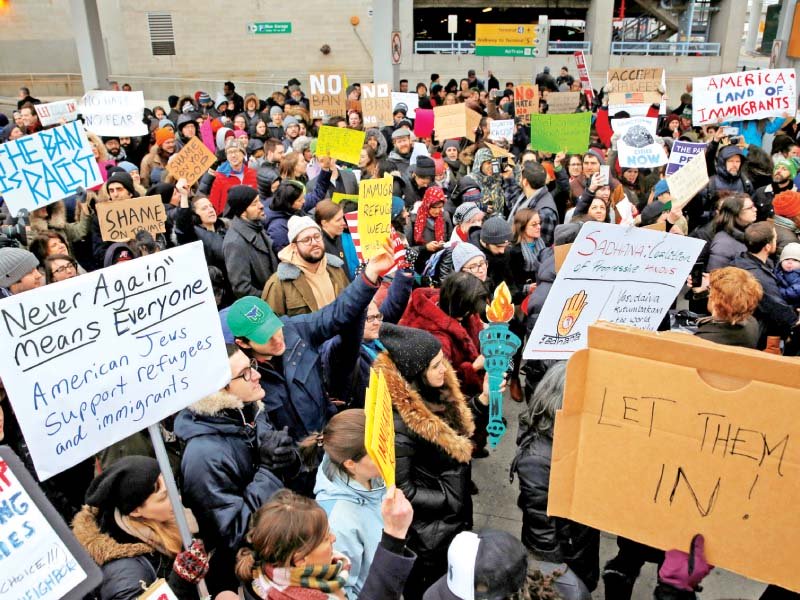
286 195
462 295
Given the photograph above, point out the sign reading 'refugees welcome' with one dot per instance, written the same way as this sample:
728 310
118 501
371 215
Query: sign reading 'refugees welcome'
91 360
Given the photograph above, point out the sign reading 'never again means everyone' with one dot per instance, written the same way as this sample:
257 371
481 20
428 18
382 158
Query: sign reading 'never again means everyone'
91 360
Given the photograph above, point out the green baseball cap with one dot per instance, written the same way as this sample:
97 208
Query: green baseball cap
253 318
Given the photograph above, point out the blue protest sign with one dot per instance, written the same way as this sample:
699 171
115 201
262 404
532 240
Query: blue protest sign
39 169
682 153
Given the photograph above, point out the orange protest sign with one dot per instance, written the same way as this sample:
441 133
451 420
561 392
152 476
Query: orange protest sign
379 433
121 220
663 435
191 162
526 100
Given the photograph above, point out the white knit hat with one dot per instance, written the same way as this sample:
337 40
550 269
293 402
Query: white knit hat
299 224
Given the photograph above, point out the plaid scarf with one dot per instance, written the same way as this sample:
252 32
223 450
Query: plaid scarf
313 582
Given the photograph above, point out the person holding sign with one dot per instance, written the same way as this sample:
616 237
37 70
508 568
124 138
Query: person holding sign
433 424
350 489
128 527
291 554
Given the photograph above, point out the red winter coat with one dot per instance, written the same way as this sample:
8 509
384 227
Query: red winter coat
222 183
459 341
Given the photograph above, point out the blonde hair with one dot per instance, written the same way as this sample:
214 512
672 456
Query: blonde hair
98 143
167 534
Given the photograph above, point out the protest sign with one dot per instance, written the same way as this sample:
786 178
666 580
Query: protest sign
744 96
560 103
159 590
351 218
526 100
376 104
41 558
45 167
686 183
455 121
338 198
498 152
91 360
113 113
207 135
625 275
191 162
379 431
340 143
681 153
423 124
632 79
583 74
374 214
327 97
639 98
52 112
410 99
637 146
658 440
502 129
121 220
557 133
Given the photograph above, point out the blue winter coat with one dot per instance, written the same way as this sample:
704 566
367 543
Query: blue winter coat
789 284
354 516
223 480
295 393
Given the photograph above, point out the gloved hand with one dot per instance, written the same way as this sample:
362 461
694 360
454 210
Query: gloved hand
277 450
192 564
685 571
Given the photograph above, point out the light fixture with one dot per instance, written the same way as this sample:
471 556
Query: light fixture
487 9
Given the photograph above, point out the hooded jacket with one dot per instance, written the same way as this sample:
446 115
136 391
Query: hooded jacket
224 482
126 562
383 147
460 343
288 291
249 258
354 516
433 453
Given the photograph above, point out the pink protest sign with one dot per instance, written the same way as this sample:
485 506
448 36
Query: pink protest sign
207 135
423 124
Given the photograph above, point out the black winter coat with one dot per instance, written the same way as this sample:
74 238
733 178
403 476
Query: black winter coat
433 453
551 539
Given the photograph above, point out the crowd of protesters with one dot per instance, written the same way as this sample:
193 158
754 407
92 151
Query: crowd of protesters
280 494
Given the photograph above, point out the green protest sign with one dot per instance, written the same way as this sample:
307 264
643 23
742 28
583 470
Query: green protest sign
556 133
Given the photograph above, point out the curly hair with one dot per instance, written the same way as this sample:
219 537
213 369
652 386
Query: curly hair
733 294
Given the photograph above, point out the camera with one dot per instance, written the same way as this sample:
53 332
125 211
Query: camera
499 165
15 236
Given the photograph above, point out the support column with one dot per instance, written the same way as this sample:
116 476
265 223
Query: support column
89 42
727 25
384 21
785 22
599 32
752 27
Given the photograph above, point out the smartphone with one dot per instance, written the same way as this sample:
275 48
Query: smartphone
697 275
604 173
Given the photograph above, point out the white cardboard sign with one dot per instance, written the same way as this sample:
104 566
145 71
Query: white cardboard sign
637 146
113 113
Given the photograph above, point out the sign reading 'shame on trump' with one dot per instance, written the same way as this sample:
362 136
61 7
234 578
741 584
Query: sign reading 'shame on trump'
39 169
91 360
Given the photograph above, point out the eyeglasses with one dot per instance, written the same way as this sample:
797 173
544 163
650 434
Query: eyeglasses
376 318
306 241
67 267
476 268
248 374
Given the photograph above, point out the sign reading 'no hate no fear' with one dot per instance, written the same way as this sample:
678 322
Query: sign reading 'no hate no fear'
91 360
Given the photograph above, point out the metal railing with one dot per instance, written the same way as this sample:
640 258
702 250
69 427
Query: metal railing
666 48
468 47
559 47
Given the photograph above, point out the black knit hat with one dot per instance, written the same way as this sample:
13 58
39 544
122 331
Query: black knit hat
411 349
425 167
125 485
120 176
239 198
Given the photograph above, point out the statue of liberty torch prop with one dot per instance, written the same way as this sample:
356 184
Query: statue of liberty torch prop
498 346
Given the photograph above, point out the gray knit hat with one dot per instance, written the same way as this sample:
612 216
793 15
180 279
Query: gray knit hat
410 349
463 253
495 231
465 212
15 263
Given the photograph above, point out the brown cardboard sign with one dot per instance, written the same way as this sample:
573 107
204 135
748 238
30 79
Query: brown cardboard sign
191 162
526 100
121 220
327 95
632 79
561 103
455 121
376 104
664 435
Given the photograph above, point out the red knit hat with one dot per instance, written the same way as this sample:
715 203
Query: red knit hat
787 204
163 134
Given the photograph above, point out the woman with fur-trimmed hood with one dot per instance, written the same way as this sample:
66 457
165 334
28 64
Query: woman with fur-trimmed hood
231 464
433 424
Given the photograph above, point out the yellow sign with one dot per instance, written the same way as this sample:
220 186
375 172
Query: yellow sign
487 34
374 214
340 143
379 432
339 197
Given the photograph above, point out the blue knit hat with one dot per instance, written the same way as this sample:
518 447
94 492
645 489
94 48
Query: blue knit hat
662 187
397 206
